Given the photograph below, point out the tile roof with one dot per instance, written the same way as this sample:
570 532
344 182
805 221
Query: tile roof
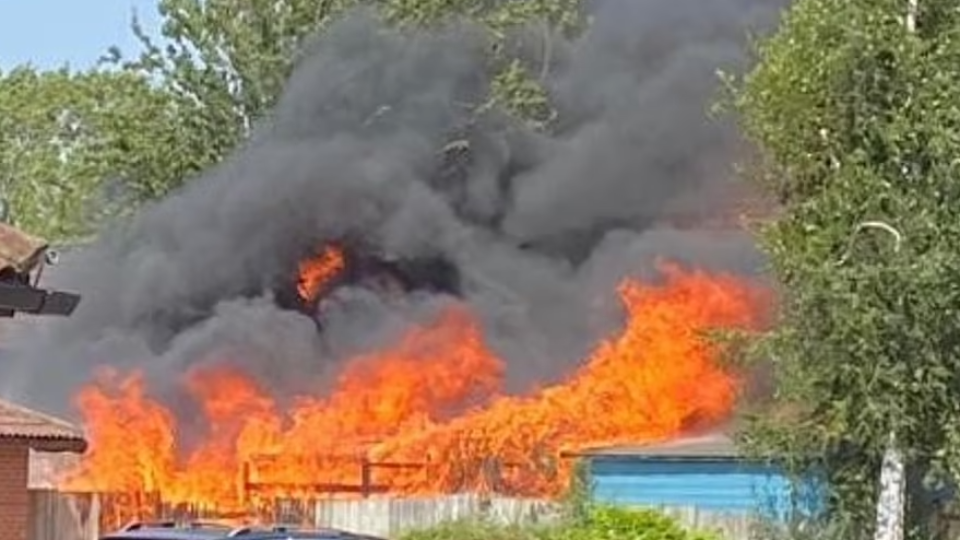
710 446
19 250
42 432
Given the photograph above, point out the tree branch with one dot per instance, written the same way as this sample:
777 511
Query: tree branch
883 226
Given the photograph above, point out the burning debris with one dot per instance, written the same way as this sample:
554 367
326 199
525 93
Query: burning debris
334 308
316 273
426 414
340 264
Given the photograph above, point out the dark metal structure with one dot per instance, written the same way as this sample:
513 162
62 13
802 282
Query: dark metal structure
22 259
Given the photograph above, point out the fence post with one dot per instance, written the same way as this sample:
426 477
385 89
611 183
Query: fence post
365 484
95 511
244 483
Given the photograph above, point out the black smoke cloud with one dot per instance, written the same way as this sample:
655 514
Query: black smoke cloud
539 227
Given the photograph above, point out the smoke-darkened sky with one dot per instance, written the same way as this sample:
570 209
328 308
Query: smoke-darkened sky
539 226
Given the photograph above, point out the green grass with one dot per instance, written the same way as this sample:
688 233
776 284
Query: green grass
593 523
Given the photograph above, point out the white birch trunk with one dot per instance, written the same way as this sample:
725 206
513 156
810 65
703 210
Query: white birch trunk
890 504
893 479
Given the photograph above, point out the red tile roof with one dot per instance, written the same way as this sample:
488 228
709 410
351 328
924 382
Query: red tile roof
19 250
42 432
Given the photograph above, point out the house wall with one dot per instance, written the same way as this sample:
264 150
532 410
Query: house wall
724 486
14 498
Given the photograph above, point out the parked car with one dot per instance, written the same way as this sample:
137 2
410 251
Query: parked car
171 530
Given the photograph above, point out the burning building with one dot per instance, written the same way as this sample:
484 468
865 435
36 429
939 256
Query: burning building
337 308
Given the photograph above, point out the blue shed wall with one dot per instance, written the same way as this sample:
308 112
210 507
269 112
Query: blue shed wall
719 486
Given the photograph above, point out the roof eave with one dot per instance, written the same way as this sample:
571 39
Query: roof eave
53 445
651 457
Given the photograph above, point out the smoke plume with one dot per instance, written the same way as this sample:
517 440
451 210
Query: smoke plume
538 227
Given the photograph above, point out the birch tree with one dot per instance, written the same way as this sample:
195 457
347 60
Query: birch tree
71 142
853 107
224 62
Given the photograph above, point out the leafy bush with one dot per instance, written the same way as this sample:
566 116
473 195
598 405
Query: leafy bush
478 530
614 523
598 523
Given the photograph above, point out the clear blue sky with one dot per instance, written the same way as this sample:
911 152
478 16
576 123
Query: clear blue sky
52 33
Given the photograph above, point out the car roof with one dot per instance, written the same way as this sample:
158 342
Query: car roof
168 534
224 533
305 534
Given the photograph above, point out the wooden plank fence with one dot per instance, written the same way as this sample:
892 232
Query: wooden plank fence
83 516
63 516
390 517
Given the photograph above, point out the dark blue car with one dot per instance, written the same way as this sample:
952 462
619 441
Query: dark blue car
211 531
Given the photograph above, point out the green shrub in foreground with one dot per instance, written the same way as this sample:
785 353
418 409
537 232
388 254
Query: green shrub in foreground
615 523
599 523
477 530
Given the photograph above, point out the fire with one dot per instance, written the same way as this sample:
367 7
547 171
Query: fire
318 271
426 415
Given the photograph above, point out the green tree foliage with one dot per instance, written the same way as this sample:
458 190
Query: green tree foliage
224 61
858 120
66 138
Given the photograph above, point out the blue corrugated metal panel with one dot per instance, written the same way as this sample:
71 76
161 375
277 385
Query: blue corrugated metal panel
729 485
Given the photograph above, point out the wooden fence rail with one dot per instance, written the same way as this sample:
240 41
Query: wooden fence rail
83 516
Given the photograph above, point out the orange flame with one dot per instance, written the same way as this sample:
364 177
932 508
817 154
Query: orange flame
318 271
426 415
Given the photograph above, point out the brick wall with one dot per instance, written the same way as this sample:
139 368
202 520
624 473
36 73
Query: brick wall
14 498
